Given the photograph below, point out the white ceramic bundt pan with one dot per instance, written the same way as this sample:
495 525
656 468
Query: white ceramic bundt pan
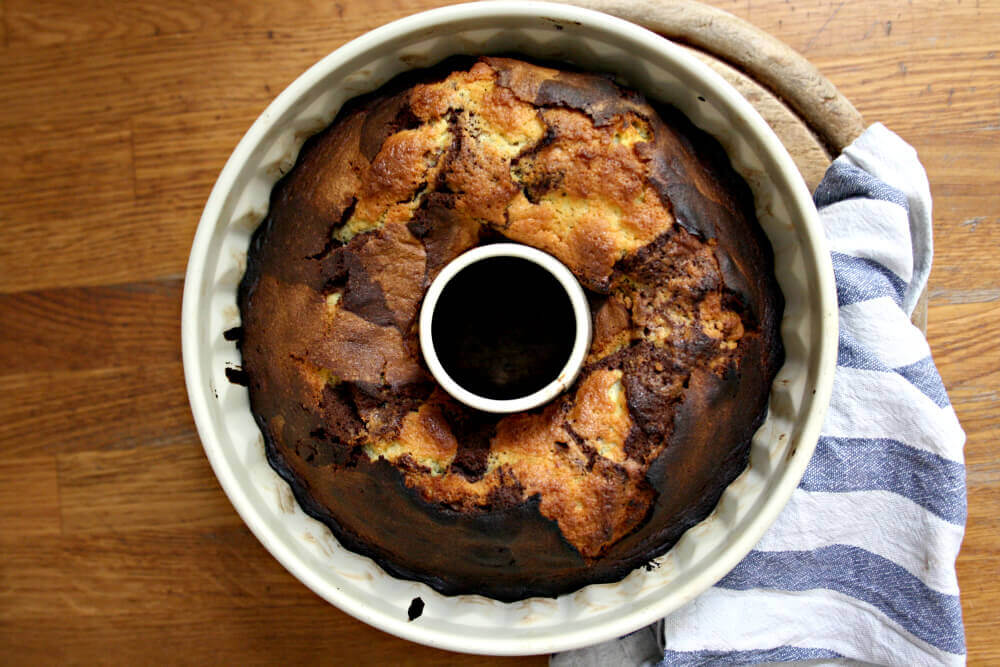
781 448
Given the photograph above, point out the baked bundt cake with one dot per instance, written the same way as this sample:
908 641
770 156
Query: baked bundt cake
647 213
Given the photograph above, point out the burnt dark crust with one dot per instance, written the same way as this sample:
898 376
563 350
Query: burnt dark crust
507 549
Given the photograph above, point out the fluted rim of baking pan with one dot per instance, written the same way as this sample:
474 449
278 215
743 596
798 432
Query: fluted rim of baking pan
780 450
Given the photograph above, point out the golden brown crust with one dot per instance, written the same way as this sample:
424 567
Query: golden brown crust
646 214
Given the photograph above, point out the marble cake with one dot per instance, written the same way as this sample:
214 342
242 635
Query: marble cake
642 207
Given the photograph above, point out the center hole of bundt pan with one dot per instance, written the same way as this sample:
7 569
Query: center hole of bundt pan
505 328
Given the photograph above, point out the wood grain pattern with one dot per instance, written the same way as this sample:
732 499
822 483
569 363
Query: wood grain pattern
168 489
107 408
116 543
29 497
160 596
106 326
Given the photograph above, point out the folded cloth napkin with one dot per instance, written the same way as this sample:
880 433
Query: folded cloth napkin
860 565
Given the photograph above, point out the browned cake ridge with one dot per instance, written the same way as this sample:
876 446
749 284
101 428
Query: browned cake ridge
647 213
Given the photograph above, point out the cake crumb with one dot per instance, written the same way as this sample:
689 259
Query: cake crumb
238 376
416 609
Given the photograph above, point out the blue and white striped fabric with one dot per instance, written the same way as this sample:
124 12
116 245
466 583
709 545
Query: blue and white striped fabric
860 566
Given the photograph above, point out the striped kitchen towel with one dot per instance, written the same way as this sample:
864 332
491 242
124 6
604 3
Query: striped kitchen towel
860 566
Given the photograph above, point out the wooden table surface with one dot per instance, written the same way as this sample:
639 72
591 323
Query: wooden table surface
116 542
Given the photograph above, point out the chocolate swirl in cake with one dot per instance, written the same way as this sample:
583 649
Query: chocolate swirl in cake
647 213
